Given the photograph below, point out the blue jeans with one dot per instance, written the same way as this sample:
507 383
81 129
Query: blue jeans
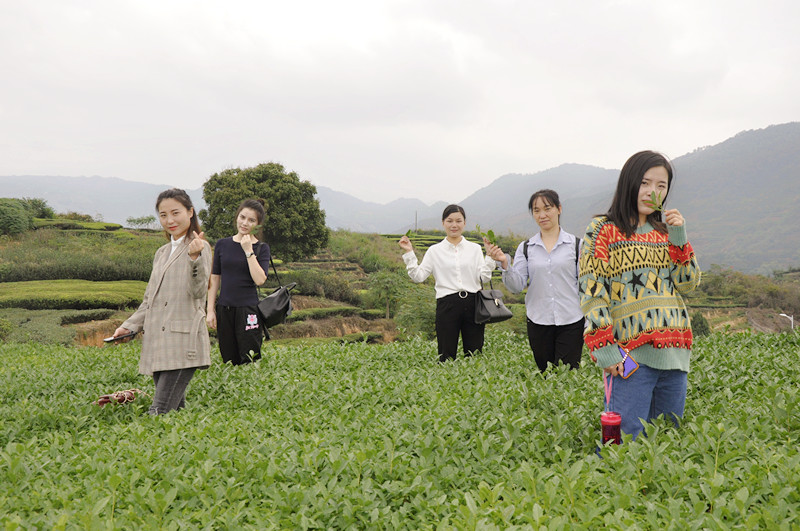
646 394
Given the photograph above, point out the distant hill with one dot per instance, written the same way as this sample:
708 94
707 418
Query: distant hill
740 199
112 199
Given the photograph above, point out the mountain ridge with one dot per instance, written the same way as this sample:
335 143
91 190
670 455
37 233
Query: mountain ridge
739 197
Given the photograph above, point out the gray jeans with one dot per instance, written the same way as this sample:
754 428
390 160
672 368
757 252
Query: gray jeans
170 390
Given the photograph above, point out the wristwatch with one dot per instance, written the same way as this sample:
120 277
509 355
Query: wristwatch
248 255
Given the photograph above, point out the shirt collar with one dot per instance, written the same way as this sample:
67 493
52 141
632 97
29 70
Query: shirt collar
177 242
459 244
562 238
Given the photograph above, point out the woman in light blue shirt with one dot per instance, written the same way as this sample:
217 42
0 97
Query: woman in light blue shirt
547 264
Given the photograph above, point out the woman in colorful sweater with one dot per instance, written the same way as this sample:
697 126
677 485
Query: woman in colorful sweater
634 270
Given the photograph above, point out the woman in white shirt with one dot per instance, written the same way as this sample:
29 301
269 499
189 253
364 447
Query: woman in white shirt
458 267
550 272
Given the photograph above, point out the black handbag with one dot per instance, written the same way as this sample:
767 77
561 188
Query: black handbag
489 307
277 306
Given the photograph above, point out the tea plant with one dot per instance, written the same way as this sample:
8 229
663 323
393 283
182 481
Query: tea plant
362 436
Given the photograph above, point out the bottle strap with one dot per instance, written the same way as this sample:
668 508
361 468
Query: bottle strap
607 384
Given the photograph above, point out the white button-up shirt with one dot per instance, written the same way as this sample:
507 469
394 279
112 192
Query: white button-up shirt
455 268
552 280
176 243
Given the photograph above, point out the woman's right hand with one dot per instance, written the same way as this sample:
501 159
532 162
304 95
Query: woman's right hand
211 319
495 253
121 332
615 370
405 244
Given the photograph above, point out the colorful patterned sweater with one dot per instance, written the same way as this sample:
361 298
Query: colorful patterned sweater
631 291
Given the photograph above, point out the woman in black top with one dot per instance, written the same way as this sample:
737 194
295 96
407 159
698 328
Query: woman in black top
240 264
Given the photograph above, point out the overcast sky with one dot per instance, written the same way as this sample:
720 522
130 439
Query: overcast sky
383 99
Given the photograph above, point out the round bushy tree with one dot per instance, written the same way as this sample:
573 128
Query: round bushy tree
294 225
14 217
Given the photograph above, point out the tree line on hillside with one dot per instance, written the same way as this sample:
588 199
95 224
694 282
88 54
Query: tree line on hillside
294 224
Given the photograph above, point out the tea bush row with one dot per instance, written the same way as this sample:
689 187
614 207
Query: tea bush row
71 294
382 436
88 255
335 311
44 327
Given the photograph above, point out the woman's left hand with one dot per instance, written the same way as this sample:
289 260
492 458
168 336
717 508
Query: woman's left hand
673 217
196 245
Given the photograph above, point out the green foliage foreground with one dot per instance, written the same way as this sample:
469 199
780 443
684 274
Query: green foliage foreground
384 437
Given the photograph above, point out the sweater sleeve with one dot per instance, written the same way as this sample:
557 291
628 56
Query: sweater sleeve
595 300
684 272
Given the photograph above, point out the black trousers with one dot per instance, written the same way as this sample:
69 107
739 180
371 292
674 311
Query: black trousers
553 344
455 314
239 334
170 390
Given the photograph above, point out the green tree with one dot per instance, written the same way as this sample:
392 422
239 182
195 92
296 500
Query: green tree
14 217
385 288
294 225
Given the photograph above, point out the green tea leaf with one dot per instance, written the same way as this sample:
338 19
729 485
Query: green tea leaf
655 202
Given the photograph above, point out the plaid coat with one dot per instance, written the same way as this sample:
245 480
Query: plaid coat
172 314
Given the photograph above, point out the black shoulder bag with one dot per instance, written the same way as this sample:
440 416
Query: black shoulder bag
277 306
489 307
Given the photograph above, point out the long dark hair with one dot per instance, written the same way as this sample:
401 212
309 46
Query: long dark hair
257 206
624 210
452 209
183 198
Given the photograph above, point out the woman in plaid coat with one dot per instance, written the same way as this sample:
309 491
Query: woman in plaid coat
172 314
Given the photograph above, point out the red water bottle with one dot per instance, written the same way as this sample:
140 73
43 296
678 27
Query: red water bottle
610 422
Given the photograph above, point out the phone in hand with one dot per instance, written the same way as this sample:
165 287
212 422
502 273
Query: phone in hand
629 364
123 336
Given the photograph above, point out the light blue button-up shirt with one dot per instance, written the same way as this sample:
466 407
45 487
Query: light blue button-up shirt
551 278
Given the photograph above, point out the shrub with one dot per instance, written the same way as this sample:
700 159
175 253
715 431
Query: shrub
5 329
14 218
416 311
76 216
38 208
700 326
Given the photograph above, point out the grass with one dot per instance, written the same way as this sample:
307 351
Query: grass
364 436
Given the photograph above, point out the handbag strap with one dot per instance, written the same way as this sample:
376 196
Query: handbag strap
490 283
273 268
